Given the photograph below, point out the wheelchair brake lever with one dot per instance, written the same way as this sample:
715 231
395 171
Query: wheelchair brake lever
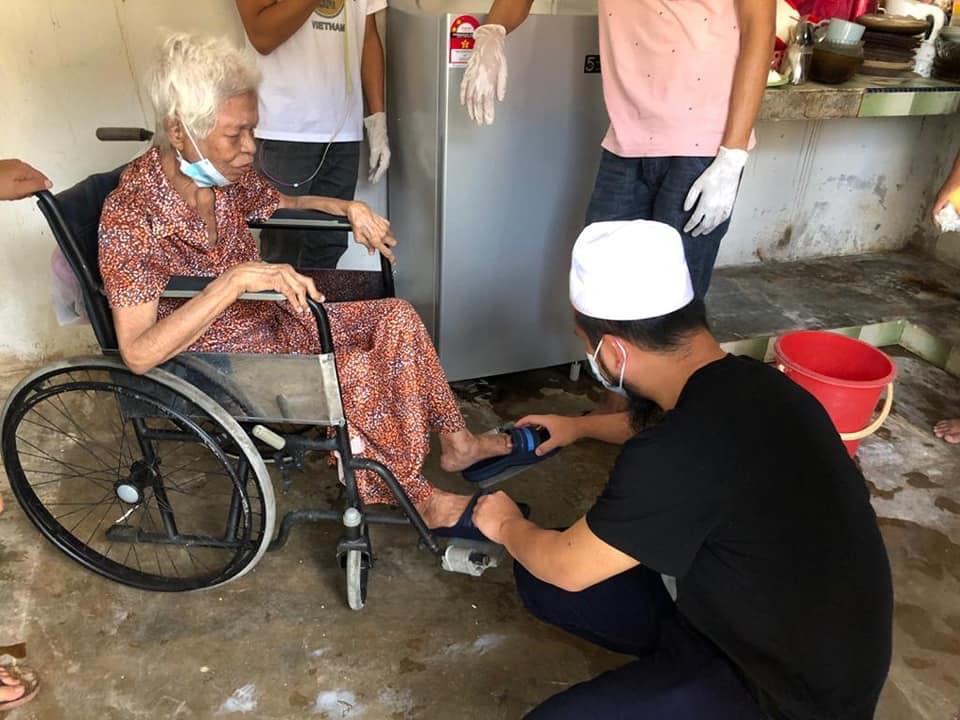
287 463
292 457
290 453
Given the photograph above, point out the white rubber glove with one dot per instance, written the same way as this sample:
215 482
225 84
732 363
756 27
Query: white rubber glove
376 125
948 219
717 190
485 79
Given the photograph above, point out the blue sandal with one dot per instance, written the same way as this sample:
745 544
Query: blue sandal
525 441
464 529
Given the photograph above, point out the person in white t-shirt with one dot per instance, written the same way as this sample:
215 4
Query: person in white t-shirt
320 60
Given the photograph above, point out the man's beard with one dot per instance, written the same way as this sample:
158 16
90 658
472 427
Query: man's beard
644 412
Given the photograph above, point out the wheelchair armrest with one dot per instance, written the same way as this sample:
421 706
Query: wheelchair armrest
286 219
182 286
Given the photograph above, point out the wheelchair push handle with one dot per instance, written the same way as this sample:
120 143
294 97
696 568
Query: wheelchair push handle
123 134
323 325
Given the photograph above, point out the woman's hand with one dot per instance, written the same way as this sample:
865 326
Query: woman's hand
254 277
371 230
563 430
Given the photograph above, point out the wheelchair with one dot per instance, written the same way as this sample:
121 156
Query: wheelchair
159 481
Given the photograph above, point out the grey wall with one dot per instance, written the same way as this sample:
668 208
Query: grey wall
837 187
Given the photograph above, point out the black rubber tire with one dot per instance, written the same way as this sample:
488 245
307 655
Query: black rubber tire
357 573
67 411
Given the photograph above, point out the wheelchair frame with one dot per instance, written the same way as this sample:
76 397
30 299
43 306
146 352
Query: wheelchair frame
354 550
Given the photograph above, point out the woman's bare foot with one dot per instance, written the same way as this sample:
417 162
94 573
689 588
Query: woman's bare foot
442 509
18 686
10 688
948 430
460 450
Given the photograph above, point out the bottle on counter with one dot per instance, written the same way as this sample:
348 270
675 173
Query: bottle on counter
800 52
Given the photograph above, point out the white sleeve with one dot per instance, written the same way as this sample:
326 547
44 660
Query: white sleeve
374 6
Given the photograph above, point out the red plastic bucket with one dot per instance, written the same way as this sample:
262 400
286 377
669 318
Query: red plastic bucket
845 375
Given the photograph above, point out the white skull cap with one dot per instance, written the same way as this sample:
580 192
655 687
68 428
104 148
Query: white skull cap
629 270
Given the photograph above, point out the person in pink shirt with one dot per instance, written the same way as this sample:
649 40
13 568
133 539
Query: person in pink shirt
683 81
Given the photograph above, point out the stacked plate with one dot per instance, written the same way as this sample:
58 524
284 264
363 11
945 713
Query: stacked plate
890 43
946 64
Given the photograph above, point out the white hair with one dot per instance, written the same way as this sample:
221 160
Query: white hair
193 76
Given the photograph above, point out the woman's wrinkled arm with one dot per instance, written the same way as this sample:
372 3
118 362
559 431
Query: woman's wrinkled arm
369 229
145 342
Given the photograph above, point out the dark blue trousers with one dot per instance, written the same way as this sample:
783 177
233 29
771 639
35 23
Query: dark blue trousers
655 188
284 163
678 674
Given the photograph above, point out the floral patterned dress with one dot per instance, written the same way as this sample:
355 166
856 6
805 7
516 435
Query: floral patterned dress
394 390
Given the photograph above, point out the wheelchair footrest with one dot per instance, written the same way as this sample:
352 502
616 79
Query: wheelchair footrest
471 557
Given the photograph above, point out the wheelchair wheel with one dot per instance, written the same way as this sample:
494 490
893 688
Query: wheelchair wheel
128 475
357 571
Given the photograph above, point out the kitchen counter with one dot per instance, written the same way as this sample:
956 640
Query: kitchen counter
860 97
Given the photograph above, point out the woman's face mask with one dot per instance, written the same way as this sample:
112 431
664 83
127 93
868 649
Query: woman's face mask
593 360
202 172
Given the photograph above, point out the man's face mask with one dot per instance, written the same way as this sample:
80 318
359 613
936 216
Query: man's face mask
594 361
202 172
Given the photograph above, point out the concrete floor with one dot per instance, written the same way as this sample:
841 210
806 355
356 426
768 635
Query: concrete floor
752 301
280 643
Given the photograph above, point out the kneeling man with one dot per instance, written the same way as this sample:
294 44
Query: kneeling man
743 492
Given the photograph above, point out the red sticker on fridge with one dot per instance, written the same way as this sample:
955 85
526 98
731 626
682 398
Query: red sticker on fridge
461 40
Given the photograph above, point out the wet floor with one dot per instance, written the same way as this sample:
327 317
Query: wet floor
280 643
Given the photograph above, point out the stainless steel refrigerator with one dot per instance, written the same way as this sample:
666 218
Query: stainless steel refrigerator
487 216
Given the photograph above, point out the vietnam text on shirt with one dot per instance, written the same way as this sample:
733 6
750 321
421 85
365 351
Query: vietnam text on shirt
311 90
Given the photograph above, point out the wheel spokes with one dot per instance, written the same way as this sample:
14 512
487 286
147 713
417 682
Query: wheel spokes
78 441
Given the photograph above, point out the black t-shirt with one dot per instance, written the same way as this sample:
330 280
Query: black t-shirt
746 495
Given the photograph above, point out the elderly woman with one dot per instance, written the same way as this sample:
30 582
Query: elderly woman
182 209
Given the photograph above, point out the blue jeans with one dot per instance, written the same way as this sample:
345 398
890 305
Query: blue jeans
655 188
678 674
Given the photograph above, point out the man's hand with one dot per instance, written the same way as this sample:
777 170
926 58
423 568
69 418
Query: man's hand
492 511
716 190
371 230
563 430
261 276
376 125
485 79
19 180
